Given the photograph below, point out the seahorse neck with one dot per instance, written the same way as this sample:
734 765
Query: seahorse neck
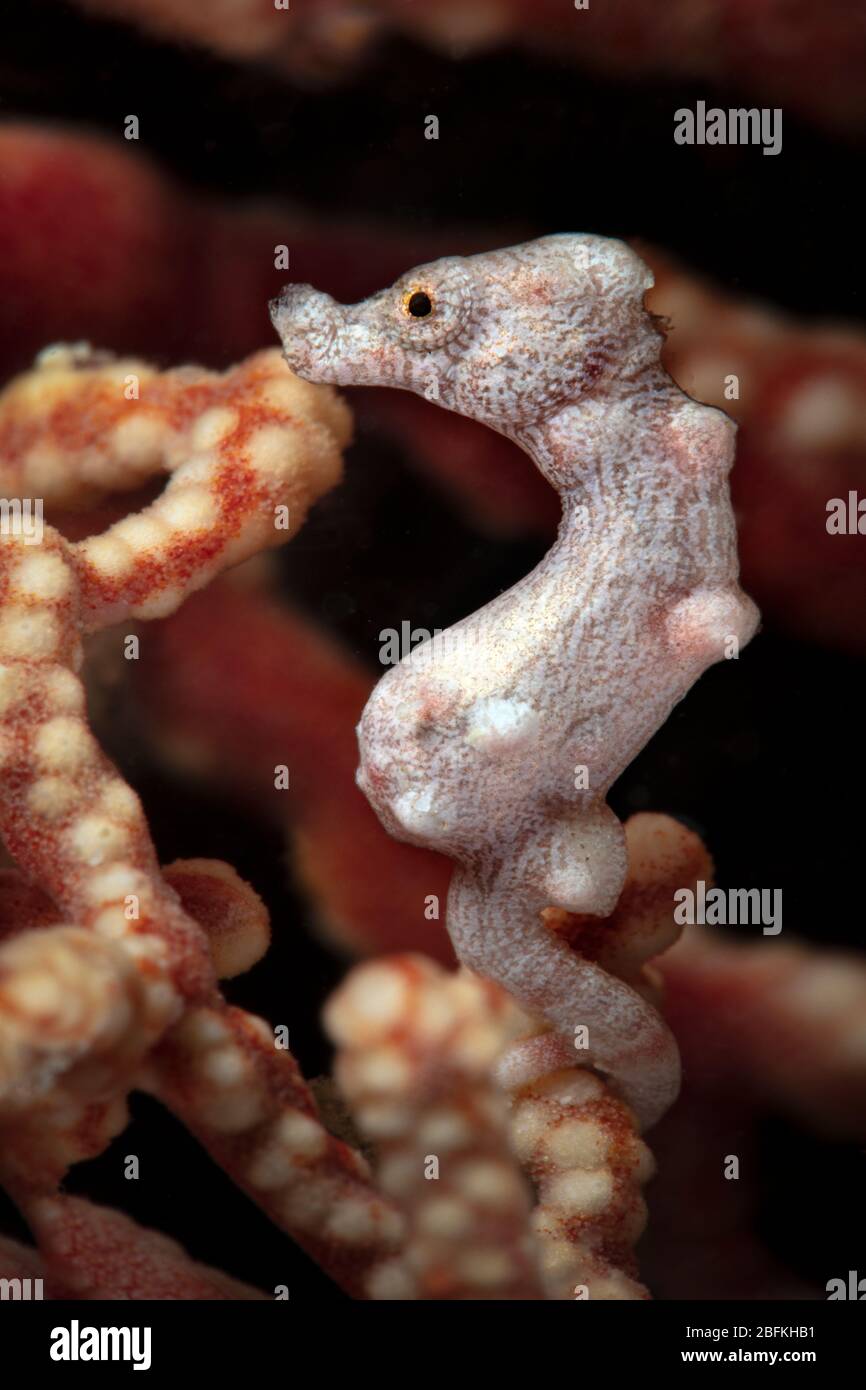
604 481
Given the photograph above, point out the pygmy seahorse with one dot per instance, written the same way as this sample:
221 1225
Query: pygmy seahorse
497 741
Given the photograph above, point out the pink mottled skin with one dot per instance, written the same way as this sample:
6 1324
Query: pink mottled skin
497 741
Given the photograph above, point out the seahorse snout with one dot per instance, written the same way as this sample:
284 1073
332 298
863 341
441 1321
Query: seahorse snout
308 322
340 344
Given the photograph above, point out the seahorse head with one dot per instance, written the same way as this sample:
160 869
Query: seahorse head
508 337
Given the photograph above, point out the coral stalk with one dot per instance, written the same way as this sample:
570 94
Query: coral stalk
417 1052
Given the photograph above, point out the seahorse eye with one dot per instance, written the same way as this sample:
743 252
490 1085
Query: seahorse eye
430 305
418 303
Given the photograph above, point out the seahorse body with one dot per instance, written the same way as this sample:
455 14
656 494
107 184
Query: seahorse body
497 741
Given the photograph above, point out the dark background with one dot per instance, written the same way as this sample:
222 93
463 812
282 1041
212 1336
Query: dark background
765 756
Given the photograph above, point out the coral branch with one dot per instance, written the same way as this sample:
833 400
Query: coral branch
82 1003
417 1050
66 997
580 1147
90 1252
19 1261
782 1023
65 814
238 448
247 1103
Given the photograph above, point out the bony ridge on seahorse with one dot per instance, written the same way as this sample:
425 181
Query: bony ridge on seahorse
474 750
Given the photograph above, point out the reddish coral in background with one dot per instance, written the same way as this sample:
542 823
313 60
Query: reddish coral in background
804 55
